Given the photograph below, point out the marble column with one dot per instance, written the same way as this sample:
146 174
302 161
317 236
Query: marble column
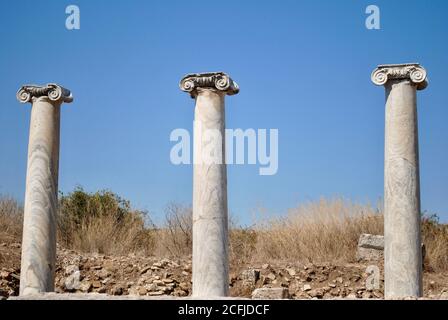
210 218
41 195
402 236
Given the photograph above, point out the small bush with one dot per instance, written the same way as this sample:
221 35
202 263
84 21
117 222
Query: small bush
102 222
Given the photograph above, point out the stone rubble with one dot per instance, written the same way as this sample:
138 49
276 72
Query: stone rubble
154 277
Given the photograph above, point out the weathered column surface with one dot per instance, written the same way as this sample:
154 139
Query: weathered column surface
210 220
403 252
41 195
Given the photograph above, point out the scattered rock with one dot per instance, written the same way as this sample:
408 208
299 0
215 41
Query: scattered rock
117 290
352 296
167 280
316 293
250 277
291 272
102 290
72 282
85 286
180 293
271 276
270 293
370 247
306 287
444 296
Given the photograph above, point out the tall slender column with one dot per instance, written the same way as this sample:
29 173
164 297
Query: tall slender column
210 220
41 195
403 253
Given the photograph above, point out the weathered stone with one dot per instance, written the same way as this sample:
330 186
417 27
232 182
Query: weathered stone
180 293
85 286
41 194
103 273
291 272
402 234
72 282
306 287
444 296
210 215
250 277
370 247
271 276
151 287
70 269
167 280
316 293
117 290
5 275
371 241
270 293
102 290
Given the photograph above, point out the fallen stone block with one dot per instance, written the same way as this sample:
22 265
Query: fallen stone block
370 247
270 293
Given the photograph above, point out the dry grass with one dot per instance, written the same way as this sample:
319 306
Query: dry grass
322 231
103 234
327 230
11 220
175 238
435 238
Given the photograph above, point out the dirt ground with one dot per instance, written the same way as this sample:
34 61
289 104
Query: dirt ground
149 276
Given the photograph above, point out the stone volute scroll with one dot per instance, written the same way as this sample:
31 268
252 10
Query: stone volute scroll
411 71
219 81
51 91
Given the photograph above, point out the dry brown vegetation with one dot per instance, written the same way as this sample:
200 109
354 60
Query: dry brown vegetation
322 231
326 230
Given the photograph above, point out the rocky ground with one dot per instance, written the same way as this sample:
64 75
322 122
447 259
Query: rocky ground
149 276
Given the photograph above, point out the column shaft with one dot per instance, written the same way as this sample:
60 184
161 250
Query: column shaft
39 231
41 194
210 220
403 254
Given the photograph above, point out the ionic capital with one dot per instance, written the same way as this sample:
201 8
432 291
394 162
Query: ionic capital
51 91
408 71
210 80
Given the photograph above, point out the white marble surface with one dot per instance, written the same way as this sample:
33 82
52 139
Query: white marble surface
403 254
39 230
210 216
210 221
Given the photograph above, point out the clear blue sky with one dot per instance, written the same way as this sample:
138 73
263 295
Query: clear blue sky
303 67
